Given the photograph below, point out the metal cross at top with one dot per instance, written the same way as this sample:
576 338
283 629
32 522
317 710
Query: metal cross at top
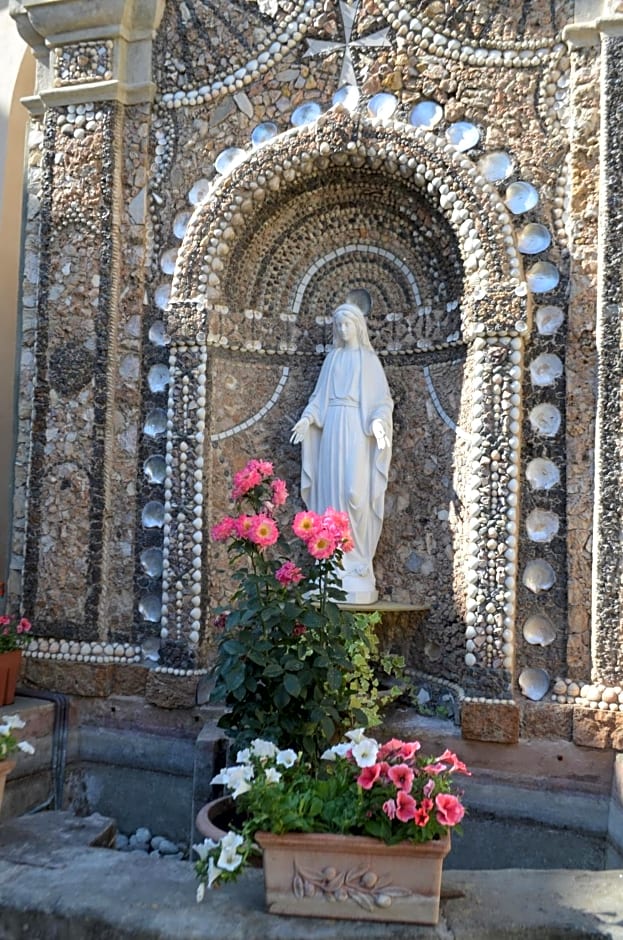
348 10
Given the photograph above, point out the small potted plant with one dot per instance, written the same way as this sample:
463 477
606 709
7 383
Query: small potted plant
14 636
292 664
9 744
362 835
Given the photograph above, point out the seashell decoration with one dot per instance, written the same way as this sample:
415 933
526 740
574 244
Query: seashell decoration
180 223
162 295
542 525
155 469
545 369
347 97
155 422
382 106
158 377
306 113
150 607
463 135
542 474
534 683
549 319
533 238
199 191
157 335
545 419
151 562
152 516
168 259
426 114
496 166
539 576
521 197
542 277
229 159
264 132
538 630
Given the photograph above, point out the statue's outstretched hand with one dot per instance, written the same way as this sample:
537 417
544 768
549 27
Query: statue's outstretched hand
379 432
299 430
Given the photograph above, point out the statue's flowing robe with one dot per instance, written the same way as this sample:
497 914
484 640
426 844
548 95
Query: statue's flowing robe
342 465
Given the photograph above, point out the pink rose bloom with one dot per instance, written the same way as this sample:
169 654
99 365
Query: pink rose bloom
264 531
405 806
5 621
401 776
263 467
244 525
368 776
244 481
321 544
305 524
449 809
224 529
25 625
455 764
280 492
288 574
389 808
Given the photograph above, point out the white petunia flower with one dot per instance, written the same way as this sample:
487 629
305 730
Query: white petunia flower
213 872
365 752
229 860
338 750
201 891
239 780
204 848
26 747
356 735
287 758
272 775
14 721
243 757
263 749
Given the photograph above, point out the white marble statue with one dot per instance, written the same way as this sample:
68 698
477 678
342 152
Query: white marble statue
346 436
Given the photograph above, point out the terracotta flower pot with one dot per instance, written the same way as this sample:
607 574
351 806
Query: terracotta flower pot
10 665
6 766
214 819
352 877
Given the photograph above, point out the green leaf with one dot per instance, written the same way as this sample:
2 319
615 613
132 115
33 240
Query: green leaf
292 684
273 670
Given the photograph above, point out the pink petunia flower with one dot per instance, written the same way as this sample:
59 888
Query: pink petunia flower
280 492
456 765
264 531
321 544
288 574
450 811
428 787
421 817
389 808
390 747
409 749
368 776
405 806
224 529
305 524
401 776
434 769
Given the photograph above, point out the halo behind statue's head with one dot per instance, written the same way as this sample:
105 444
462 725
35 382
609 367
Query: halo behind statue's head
354 313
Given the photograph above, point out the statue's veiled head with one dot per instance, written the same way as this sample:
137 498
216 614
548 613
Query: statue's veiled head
352 314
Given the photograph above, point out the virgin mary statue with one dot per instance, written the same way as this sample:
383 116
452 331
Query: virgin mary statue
346 436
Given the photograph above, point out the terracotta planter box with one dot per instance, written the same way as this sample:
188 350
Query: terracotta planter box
6 766
10 665
352 877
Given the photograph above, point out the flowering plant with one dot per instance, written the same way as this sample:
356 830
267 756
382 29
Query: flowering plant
8 742
14 633
389 791
291 665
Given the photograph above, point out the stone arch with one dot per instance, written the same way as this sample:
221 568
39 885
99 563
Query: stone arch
259 203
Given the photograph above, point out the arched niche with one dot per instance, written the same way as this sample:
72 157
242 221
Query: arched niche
399 213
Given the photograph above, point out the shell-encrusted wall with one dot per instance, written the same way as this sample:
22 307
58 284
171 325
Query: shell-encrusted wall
192 230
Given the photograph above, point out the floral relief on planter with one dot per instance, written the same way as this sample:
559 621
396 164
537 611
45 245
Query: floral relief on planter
352 877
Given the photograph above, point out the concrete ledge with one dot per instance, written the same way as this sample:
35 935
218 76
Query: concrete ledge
90 892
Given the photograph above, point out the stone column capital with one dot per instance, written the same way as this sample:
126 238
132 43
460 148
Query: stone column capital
90 51
591 32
